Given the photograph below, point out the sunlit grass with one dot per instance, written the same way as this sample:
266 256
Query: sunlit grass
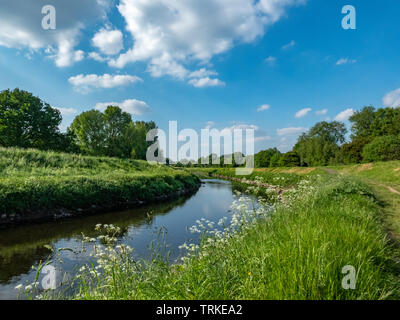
297 252
32 180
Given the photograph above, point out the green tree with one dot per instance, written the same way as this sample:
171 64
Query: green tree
26 121
263 158
362 122
384 148
352 152
289 159
319 146
88 128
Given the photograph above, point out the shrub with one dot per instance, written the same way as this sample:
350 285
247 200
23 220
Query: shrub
384 148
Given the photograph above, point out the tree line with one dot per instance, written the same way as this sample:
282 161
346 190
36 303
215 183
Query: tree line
28 122
375 136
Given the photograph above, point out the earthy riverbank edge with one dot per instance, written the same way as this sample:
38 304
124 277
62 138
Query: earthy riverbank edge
56 214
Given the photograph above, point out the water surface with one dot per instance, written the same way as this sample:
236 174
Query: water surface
24 246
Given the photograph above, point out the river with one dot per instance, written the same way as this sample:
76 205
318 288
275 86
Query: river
24 246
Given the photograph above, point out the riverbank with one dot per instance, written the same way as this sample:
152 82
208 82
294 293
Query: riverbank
37 186
298 251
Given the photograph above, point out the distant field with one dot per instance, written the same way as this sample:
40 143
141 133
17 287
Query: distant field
32 181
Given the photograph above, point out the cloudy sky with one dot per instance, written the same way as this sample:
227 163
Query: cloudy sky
277 66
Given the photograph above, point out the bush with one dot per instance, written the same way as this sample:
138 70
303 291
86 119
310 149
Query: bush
290 159
384 148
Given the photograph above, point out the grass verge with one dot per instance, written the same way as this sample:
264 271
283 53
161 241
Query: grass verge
34 181
297 252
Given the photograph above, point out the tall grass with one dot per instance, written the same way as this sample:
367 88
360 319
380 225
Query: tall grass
32 180
296 252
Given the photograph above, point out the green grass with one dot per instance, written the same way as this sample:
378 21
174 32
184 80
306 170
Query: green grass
32 180
298 252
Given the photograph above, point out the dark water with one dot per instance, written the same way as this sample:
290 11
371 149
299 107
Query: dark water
25 246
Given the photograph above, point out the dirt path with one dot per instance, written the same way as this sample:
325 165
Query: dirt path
393 190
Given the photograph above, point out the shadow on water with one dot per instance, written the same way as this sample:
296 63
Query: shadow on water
24 246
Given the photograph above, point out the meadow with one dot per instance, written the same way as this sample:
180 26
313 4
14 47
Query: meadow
298 249
33 181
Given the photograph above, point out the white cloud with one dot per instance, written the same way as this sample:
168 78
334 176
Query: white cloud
345 61
263 107
206 82
21 28
344 115
289 45
270 60
171 34
132 106
108 41
201 73
321 112
290 131
83 83
95 56
392 99
302 112
67 111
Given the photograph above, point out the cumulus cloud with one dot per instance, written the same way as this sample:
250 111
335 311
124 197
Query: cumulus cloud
108 41
171 34
392 99
263 107
84 83
289 45
270 60
206 82
132 106
345 61
67 111
21 28
344 115
292 131
95 56
302 112
321 112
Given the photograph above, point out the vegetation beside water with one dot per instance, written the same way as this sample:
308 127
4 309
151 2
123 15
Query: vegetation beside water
32 180
296 251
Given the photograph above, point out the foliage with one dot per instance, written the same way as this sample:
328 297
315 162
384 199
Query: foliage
289 159
26 121
320 145
384 148
265 255
112 133
374 123
263 158
32 180
352 152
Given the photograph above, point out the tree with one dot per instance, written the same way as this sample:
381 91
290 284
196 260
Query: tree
112 133
384 148
289 159
263 158
352 152
362 122
320 145
274 161
117 125
334 131
28 122
88 128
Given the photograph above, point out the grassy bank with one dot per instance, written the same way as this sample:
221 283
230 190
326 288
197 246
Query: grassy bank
296 252
32 181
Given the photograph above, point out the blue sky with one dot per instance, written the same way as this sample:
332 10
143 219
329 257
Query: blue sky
207 63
